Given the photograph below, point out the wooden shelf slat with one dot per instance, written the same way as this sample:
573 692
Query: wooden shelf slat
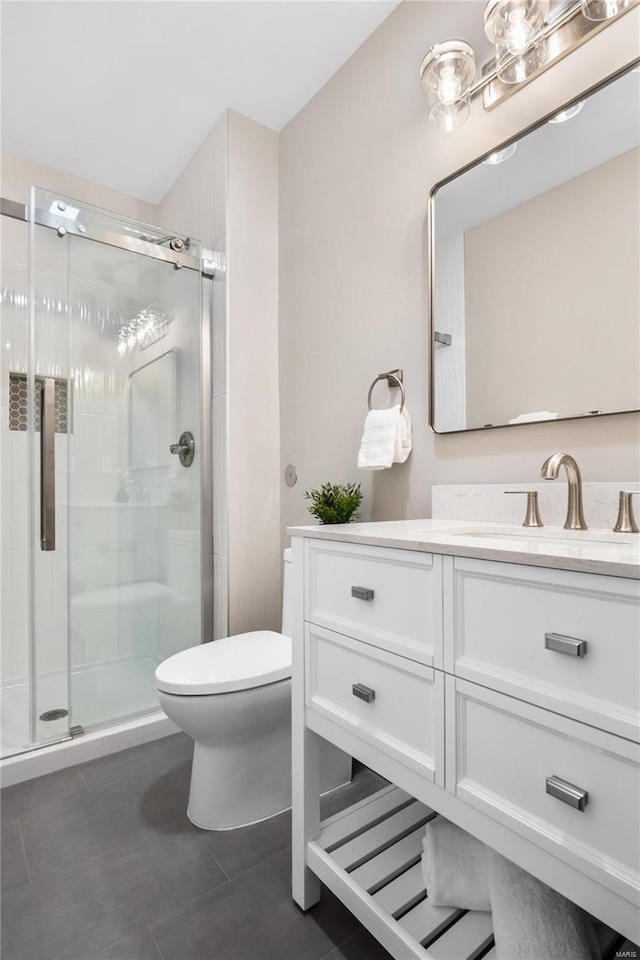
404 892
373 841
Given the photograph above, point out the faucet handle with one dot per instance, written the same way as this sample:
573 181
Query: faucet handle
532 518
626 522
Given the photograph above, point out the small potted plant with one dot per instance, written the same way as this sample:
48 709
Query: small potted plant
335 502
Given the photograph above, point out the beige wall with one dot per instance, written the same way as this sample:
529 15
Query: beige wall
356 167
254 448
551 294
17 175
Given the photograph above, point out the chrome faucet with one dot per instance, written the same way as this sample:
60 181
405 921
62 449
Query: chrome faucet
575 517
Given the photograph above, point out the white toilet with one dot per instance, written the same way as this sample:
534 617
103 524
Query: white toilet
233 696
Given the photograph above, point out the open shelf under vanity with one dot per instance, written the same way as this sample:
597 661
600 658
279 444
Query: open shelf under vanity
369 855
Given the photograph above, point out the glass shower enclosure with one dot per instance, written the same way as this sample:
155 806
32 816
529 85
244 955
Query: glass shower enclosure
102 562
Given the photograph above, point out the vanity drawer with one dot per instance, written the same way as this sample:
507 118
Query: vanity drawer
390 702
566 641
506 750
389 598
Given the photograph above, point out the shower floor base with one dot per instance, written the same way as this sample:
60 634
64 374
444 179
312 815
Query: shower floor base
100 695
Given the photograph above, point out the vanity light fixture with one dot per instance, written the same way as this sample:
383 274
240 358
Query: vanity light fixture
567 114
447 72
603 9
500 155
528 39
514 28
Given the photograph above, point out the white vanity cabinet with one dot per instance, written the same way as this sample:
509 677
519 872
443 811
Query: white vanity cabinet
502 695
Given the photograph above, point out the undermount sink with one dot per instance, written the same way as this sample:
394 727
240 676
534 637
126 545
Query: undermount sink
551 535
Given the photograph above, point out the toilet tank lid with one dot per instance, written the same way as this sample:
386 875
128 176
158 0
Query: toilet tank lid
224 666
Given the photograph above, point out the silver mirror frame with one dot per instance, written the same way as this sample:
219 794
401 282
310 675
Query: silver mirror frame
431 260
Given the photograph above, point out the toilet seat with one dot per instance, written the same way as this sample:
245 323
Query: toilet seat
242 662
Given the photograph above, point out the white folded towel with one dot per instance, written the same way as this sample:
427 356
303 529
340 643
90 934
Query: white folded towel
386 438
533 922
454 867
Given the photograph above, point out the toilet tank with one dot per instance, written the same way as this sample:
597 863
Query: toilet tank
287 598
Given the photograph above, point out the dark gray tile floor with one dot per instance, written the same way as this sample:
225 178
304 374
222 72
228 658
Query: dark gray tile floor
99 862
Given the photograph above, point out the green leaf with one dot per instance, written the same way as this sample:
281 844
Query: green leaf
335 502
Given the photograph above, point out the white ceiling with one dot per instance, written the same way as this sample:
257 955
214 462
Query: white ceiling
123 92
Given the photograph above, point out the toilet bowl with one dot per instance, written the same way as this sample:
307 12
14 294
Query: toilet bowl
233 696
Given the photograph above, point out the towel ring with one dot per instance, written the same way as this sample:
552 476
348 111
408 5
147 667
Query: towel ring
395 375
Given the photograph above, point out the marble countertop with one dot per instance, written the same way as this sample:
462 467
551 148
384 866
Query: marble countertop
589 551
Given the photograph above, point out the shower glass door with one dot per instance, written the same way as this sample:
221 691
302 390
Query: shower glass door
116 529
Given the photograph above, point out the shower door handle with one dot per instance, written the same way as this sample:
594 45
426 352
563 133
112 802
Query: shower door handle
48 464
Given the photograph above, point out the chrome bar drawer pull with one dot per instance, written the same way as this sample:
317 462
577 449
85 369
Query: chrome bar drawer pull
567 792
568 645
363 693
362 593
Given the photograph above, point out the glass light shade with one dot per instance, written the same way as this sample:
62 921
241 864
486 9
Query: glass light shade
447 73
603 9
567 114
513 26
500 155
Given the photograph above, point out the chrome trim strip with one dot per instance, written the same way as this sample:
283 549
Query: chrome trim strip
10 208
19 211
206 457
113 239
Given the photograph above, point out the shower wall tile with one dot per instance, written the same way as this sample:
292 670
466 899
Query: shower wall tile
14 475
19 605
98 446
50 621
5 617
14 625
95 635
196 203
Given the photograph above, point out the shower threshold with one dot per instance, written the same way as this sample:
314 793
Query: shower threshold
103 695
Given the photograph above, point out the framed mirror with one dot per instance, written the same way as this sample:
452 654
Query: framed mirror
534 271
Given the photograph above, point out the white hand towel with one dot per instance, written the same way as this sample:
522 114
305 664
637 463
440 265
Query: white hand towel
533 922
386 439
403 437
455 867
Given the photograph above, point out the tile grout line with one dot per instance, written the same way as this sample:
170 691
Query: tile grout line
342 943
255 866
154 941
205 847
82 777
24 851
201 896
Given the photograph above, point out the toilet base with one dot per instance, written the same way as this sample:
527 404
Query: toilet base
225 795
